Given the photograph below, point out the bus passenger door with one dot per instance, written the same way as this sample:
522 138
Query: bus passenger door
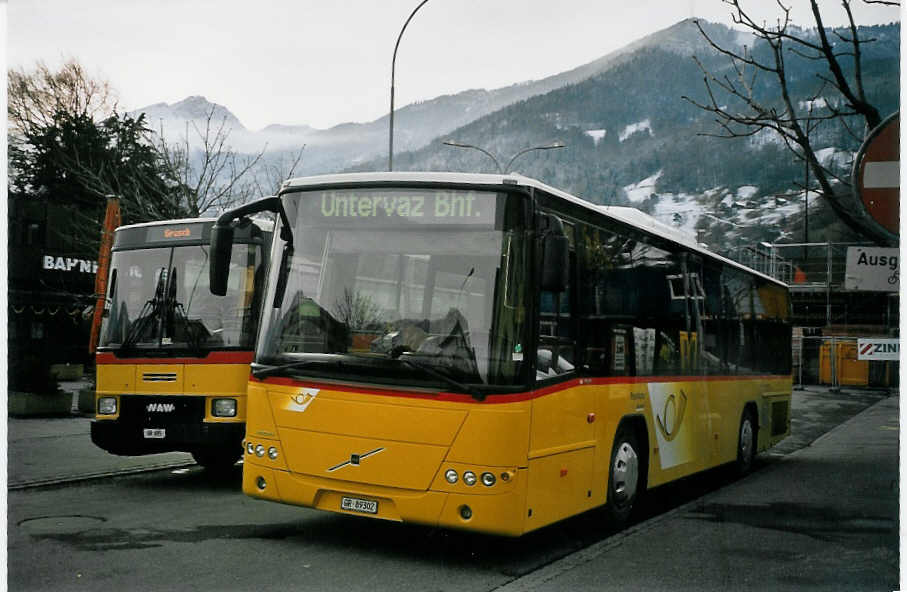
561 442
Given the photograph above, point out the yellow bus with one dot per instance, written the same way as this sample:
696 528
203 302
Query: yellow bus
173 360
486 352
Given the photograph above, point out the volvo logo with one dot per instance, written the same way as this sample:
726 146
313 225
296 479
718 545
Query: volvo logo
160 407
355 459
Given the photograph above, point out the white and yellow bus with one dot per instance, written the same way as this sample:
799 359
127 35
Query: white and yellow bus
486 352
173 360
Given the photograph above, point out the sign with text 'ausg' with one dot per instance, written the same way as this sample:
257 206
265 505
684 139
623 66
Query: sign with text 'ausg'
872 269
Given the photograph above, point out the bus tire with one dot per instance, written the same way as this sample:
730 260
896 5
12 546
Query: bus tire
624 473
218 461
746 443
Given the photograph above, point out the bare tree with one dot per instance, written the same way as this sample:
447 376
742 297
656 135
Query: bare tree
274 171
36 96
210 173
838 97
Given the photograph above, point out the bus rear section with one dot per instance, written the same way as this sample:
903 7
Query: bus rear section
483 352
173 360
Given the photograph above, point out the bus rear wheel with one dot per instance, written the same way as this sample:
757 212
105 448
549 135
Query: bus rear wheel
746 443
623 476
219 461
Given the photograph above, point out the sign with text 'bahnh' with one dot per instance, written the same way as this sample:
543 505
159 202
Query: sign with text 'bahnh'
70 264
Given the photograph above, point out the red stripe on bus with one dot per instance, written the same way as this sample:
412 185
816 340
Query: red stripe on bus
866 348
218 357
511 397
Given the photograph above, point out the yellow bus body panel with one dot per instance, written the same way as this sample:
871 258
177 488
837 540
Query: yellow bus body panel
208 380
549 451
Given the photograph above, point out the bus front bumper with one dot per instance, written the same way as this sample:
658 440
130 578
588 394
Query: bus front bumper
501 514
131 440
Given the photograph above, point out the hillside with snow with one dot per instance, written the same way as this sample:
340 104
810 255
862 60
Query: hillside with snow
631 139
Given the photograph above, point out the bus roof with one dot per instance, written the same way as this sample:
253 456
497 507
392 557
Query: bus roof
266 225
165 222
627 215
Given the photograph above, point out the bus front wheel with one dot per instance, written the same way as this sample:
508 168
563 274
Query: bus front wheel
623 475
746 443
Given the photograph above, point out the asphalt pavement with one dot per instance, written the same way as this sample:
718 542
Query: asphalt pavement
49 450
822 515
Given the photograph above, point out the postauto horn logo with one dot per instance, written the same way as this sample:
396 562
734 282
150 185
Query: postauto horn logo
300 401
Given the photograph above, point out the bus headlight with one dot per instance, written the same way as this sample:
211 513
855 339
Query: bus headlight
259 450
272 453
469 478
488 479
223 407
451 476
107 406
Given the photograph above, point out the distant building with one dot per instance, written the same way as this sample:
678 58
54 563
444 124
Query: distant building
52 260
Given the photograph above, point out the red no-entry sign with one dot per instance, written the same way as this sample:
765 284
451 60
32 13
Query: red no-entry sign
876 176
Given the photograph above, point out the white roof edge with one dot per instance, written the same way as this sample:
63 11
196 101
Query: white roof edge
165 222
628 215
263 224
408 176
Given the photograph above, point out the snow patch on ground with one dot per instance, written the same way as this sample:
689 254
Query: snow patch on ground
596 135
831 156
815 104
747 191
640 126
764 137
679 210
641 191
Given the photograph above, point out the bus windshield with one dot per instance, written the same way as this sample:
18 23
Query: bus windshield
420 287
159 299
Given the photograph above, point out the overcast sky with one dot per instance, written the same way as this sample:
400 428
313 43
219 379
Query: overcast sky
324 62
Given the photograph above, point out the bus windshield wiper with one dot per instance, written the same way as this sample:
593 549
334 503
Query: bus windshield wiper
152 309
425 368
259 372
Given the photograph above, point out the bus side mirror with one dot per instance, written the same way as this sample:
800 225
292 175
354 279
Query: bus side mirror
221 250
555 257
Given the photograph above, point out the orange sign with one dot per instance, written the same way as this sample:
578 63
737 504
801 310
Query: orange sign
111 221
183 233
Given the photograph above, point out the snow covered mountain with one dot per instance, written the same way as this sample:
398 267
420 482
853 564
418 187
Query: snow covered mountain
350 144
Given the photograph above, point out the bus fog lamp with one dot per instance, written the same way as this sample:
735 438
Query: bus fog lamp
469 478
261 483
272 453
488 479
250 448
107 406
451 476
465 512
259 450
223 407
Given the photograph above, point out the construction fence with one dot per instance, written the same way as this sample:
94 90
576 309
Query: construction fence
834 361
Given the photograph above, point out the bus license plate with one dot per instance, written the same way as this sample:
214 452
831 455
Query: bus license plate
155 433
359 505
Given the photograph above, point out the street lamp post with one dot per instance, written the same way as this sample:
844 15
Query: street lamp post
390 147
510 162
